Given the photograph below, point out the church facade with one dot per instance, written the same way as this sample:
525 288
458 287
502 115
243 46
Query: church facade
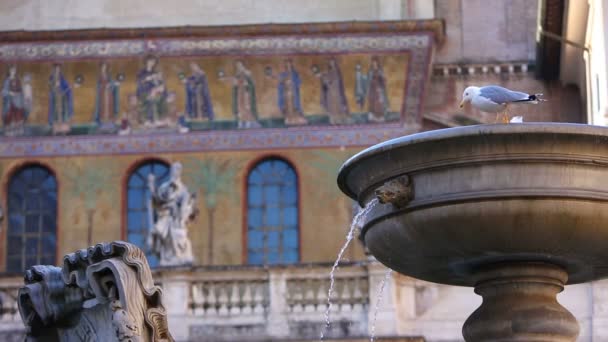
260 117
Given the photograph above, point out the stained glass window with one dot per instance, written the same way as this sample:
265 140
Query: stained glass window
272 213
32 219
139 214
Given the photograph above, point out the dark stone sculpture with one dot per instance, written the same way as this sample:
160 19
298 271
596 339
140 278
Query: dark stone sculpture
516 211
103 293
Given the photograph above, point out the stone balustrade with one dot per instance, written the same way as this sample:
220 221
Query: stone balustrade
251 303
9 314
224 296
11 327
231 303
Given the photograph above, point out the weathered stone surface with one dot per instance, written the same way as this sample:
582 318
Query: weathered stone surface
531 192
175 207
515 210
12 336
487 31
103 293
519 304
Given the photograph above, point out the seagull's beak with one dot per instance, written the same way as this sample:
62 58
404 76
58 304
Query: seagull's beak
462 104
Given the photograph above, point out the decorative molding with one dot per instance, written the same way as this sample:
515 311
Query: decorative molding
521 158
435 26
252 139
40 51
416 38
448 70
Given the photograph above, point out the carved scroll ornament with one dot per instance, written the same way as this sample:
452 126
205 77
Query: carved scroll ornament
103 293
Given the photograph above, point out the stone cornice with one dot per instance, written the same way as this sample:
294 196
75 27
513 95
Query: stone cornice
436 26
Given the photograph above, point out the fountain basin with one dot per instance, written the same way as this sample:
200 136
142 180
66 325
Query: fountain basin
460 199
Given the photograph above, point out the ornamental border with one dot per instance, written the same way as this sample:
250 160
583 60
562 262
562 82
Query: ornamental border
417 38
251 139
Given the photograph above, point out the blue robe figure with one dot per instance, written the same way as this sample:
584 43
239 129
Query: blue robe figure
106 101
151 92
289 95
198 98
60 98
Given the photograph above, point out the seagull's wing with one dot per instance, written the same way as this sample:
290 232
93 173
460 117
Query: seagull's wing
502 95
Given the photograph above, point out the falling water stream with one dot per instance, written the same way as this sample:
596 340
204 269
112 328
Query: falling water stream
357 223
378 302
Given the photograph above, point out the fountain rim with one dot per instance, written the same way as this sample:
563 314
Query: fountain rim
573 129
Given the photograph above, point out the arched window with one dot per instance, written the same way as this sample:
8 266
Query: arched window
272 213
32 218
139 213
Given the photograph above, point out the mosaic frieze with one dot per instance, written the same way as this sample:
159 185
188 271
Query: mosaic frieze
188 84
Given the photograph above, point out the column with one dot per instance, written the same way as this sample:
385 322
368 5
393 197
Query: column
176 298
277 325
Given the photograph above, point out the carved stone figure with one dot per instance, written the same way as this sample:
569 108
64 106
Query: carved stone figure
397 191
125 327
103 293
173 206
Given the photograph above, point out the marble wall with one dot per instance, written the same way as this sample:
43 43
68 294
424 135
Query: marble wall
70 14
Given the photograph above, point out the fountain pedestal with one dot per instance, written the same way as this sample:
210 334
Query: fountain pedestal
519 304
516 211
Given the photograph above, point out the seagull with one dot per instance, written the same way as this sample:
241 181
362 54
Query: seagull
495 99
517 119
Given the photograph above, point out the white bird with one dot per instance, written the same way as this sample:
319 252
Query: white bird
517 119
495 99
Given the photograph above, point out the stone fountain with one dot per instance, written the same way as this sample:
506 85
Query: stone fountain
516 211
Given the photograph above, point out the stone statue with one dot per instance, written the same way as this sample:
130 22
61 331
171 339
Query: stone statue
174 207
103 293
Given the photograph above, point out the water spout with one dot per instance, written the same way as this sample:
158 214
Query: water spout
356 223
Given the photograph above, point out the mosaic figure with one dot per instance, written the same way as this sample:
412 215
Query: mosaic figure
333 98
28 93
244 105
14 107
198 98
60 101
371 88
360 82
152 93
175 118
288 90
107 100
129 118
